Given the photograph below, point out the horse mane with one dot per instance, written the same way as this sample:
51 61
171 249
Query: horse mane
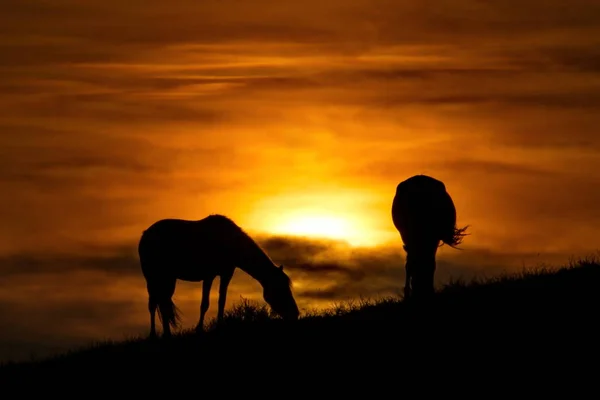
253 246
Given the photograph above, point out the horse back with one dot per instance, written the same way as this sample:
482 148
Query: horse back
422 206
184 245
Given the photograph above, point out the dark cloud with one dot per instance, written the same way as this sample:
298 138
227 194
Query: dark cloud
578 58
338 271
124 108
541 200
97 154
464 167
102 32
123 263
48 324
546 100
161 66
286 247
497 167
572 57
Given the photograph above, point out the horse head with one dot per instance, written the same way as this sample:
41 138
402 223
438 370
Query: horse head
278 294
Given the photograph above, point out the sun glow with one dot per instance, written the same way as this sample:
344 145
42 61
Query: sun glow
321 215
321 226
324 226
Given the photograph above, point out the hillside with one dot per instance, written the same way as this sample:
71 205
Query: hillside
533 316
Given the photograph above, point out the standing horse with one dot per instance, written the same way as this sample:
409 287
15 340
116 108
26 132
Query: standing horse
424 214
194 251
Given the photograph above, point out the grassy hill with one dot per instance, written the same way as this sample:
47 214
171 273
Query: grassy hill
533 318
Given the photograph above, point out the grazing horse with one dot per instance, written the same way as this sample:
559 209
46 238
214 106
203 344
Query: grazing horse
194 251
424 214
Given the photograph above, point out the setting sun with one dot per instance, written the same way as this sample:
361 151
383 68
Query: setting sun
321 214
321 225
317 226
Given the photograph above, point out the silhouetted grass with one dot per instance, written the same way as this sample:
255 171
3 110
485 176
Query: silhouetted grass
543 311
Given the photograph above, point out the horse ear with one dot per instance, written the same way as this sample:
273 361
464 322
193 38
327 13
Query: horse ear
281 267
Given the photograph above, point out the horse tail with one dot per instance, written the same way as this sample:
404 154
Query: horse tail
455 237
452 235
168 311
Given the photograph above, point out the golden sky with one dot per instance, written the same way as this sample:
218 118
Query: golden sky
291 118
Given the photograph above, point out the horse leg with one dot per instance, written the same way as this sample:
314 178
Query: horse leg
407 277
152 308
206 285
223 285
407 282
166 306
152 305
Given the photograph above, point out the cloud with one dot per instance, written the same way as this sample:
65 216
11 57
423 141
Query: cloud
461 166
578 58
163 69
119 262
52 313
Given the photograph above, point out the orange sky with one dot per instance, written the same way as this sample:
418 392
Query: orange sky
298 117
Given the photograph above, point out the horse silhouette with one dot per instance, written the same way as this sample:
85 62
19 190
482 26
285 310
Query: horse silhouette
201 250
424 214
